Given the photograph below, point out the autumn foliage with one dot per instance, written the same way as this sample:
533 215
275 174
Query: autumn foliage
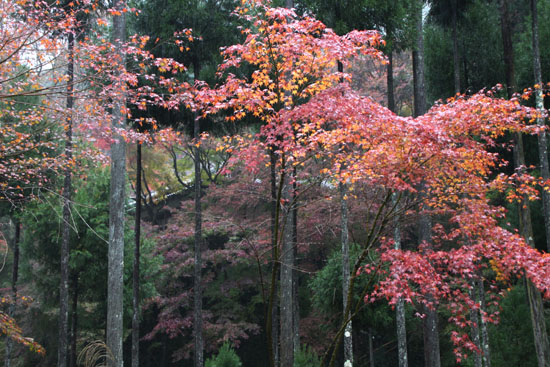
314 132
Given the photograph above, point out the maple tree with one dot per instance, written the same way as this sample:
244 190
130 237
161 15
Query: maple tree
306 114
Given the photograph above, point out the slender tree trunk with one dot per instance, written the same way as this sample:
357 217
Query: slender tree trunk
14 276
115 285
272 314
287 272
430 328
429 322
197 294
74 321
295 286
371 348
456 56
135 274
389 82
418 66
525 225
476 339
66 228
400 306
344 239
486 355
543 136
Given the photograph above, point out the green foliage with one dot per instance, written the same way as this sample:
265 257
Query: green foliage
480 50
512 338
326 285
306 357
226 357
42 223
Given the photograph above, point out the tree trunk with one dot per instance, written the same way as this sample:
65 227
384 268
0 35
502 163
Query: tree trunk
371 349
418 66
66 227
474 318
525 225
14 276
74 321
287 272
115 284
389 82
197 287
486 355
456 56
429 322
295 285
344 216
400 306
135 273
543 136
272 314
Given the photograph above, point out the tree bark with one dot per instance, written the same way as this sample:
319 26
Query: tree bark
486 355
429 323
272 314
197 272
63 337
389 82
344 239
135 273
456 56
474 318
115 285
287 272
295 285
14 276
400 306
542 136
74 321
418 66
197 287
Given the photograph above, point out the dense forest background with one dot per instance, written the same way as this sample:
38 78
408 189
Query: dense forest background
217 200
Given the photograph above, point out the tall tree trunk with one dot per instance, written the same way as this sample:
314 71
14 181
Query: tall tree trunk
272 314
474 318
543 136
344 239
400 306
429 323
389 82
66 227
486 353
456 56
14 276
197 286
418 66
74 320
135 273
115 284
525 225
287 272
295 286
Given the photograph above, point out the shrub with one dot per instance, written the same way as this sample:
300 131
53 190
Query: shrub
226 357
